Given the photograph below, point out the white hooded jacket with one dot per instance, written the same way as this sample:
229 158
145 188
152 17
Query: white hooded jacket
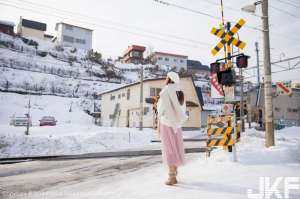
170 112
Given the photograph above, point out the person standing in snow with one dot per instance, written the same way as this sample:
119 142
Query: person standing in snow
171 112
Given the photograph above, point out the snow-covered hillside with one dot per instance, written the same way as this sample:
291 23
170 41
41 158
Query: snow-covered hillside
48 69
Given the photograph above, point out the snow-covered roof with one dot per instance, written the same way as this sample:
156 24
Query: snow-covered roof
56 25
8 23
138 82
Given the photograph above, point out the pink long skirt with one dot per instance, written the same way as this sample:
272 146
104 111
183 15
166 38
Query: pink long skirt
172 145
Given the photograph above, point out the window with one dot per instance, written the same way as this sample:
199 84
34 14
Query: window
119 96
69 27
68 39
292 110
154 91
146 110
277 109
112 97
166 59
160 58
175 60
136 54
181 61
123 94
80 41
128 94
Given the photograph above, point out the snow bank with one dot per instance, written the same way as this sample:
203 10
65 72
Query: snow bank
69 139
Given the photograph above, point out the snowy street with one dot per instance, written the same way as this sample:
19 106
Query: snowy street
153 99
143 177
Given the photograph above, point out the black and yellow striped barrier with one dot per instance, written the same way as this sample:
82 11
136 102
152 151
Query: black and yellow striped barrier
219 131
224 141
227 38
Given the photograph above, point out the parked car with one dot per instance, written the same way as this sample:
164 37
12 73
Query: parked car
47 121
20 121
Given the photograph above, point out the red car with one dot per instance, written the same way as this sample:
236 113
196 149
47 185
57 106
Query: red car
48 121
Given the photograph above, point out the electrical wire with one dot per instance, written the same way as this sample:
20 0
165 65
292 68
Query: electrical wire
107 27
229 8
218 18
289 3
200 12
280 71
109 21
284 11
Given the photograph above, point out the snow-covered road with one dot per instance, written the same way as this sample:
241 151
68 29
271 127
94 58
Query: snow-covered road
143 177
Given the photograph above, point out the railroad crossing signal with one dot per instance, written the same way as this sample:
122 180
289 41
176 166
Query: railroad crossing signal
227 38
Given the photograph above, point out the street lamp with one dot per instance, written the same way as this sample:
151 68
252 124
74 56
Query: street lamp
252 7
270 141
249 8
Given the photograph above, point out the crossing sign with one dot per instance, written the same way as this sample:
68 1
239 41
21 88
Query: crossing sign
227 38
282 89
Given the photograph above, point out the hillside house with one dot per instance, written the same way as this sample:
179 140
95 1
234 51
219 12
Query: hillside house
33 29
73 36
121 108
197 69
7 27
134 54
169 61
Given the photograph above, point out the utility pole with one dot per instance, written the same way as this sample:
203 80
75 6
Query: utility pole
242 100
241 95
28 117
270 140
141 98
257 62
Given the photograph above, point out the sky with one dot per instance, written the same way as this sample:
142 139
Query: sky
120 23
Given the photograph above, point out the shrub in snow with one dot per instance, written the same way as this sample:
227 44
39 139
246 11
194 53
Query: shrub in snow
59 48
94 56
42 53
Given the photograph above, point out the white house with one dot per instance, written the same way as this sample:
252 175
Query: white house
169 60
121 107
73 36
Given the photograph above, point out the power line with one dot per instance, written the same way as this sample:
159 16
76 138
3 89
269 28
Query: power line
289 3
228 7
284 11
187 9
112 22
106 27
275 62
218 18
200 12
280 71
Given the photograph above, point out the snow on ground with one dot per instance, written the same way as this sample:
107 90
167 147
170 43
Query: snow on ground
75 132
215 177
69 139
